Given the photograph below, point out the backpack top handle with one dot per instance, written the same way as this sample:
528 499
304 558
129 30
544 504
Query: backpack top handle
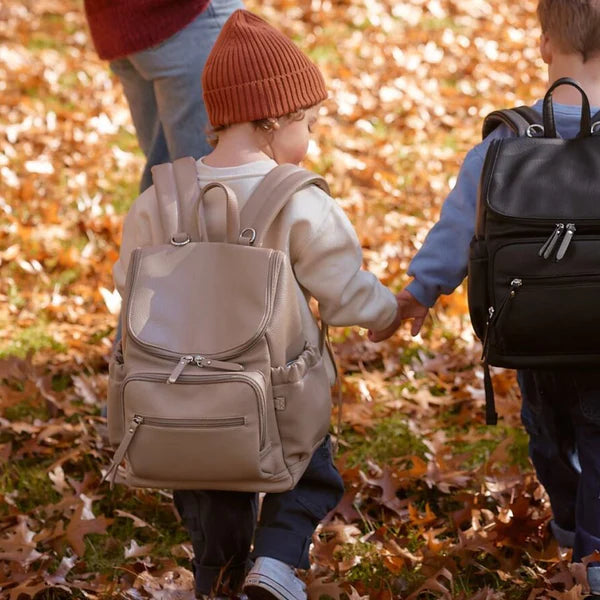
231 211
585 128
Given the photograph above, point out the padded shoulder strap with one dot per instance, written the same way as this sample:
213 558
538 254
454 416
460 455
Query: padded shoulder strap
272 194
188 194
166 191
518 119
178 181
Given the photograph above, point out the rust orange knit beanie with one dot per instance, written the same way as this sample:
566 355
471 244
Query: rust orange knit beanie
255 72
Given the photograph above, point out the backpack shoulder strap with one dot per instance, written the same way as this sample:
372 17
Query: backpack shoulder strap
272 194
518 119
259 212
178 181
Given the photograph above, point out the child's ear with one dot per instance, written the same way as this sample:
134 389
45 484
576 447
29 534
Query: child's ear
546 48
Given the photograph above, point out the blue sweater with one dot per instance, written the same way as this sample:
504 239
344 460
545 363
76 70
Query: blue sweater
441 264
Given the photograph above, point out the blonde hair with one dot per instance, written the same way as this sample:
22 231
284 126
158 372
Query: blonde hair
267 125
574 25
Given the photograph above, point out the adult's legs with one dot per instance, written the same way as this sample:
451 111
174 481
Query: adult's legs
174 68
141 99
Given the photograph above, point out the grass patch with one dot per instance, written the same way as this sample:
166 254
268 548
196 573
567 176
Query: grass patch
31 339
105 552
390 438
43 42
126 141
371 570
479 450
28 410
326 54
67 277
122 194
28 483
439 24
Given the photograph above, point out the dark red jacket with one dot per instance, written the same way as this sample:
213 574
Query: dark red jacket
122 27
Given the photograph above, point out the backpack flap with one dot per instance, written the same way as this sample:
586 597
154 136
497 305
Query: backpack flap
186 300
542 179
540 176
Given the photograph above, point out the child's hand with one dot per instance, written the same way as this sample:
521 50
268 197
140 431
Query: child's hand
408 308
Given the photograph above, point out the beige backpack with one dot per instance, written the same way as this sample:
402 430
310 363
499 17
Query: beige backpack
215 386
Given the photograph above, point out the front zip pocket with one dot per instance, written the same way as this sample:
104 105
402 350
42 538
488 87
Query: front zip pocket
208 427
193 423
547 316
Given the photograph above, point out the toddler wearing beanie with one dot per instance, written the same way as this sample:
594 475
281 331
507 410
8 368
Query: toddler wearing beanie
262 95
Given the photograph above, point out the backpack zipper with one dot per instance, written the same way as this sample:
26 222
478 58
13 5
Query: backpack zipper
549 244
494 316
201 362
566 242
200 423
569 231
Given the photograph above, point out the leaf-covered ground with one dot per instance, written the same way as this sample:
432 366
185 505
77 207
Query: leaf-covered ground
437 505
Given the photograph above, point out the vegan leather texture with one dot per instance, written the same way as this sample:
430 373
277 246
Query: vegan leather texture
215 385
534 273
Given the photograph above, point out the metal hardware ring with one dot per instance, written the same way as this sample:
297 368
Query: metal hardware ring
252 234
535 130
183 243
594 127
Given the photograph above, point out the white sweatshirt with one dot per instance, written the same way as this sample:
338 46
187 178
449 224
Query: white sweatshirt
312 230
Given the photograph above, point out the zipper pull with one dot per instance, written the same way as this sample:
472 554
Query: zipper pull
549 244
564 245
202 361
486 335
119 454
515 284
494 315
179 367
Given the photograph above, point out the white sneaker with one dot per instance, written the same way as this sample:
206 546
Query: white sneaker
271 579
593 573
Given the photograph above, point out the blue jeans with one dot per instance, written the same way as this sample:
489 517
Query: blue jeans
561 413
222 525
163 86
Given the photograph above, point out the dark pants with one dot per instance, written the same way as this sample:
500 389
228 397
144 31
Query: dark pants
561 412
222 525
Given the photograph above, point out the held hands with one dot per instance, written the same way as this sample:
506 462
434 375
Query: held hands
408 308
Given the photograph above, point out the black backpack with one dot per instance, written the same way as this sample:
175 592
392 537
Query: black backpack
534 265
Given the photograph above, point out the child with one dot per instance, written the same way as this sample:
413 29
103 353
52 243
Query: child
262 96
561 409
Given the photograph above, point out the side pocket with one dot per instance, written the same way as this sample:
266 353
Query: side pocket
477 285
116 375
302 398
